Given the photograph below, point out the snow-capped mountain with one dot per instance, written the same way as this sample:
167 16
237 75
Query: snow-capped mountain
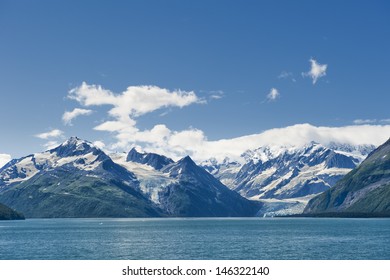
225 172
198 193
75 179
74 153
183 188
151 180
288 172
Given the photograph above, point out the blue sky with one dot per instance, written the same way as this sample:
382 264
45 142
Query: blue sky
228 54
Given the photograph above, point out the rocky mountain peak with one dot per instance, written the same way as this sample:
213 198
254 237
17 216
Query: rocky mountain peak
151 159
75 146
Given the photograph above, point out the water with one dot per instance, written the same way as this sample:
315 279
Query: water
279 238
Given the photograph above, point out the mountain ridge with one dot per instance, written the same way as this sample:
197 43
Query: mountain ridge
77 179
276 180
155 160
287 172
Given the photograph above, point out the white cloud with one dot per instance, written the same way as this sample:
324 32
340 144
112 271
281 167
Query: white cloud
128 106
175 144
298 135
212 94
67 117
4 158
371 121
193 138
113 126
51 144
135 101
287 75
55 133
165 113
194 142
216 94
99 144
52 136
317 71
366 121
273 94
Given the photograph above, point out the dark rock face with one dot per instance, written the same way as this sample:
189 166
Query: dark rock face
151 159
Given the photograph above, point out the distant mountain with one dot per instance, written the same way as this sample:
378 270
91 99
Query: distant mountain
288 172
364 191
76 179
151 159
225 172
7 213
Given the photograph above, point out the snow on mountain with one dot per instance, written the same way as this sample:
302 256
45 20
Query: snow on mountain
283 178
4 158
75 152
51 183
285 172
226 170
198 193
75 179
151 180
359 151
183 188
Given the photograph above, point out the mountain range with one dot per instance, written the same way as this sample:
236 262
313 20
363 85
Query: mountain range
285 178
77 179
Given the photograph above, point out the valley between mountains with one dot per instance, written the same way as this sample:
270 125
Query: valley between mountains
77 179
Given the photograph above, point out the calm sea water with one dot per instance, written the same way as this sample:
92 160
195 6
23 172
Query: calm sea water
279 238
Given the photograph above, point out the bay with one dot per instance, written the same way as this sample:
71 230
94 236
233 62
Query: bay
195 238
